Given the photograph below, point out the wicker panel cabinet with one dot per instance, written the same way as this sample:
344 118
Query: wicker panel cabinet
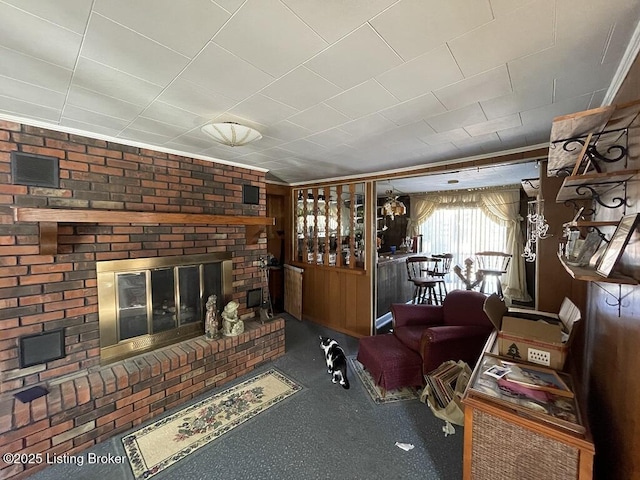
502 443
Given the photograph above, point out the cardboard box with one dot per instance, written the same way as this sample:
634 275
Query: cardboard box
532 336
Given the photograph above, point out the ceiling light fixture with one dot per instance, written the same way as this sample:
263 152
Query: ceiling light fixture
393 206
231 134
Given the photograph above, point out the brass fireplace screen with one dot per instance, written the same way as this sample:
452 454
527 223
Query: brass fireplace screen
147 303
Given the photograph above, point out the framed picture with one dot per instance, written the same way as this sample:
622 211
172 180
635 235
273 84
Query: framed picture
617 244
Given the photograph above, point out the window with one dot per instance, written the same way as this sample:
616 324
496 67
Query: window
461 231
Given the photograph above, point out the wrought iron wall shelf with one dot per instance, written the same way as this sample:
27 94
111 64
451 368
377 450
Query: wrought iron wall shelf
593 185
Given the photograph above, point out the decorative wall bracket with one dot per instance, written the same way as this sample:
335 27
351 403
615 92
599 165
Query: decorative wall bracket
613 152
589 191
617 297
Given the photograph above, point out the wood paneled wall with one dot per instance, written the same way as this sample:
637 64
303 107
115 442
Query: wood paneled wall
612 361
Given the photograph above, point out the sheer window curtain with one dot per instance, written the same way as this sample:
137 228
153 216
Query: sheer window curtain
456 223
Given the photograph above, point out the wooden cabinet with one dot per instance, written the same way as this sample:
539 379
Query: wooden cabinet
332 243
505 443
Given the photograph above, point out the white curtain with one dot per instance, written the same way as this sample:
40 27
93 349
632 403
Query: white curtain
459 214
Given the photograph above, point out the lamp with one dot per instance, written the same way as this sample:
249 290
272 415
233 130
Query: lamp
231 134
393 206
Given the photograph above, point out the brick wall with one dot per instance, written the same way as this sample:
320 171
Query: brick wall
46 292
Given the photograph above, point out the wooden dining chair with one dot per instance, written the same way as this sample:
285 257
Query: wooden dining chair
492 265
443 267
424 286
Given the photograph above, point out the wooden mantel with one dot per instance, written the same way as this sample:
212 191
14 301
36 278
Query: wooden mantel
50 217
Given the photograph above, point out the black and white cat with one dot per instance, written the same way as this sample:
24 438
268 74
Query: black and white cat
336 361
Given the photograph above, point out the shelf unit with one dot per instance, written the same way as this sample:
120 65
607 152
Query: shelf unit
590 275
590 149
48 219
329 226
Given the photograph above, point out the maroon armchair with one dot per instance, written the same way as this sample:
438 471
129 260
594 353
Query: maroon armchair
455 330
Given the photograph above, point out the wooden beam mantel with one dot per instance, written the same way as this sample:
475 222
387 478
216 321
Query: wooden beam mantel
50 217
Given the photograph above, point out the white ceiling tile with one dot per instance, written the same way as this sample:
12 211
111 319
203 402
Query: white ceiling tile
70 14
495 125
301 88
114 45
230 5
529 29
366 98
234 78
72 113
153 126
166 113
455 135
407 133
419 76
34 71
263 109
144 137
26 109
355 58
413 27
491 84
96 102
504 7
333 19
303 147
330 138
268 35
192 98
192 23
539 119
318 118
31 93
517 101
44 40
287 131
457 118
579 81
115 83
415 109
92 127
369 125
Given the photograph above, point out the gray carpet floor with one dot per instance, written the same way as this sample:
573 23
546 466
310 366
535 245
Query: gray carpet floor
321 432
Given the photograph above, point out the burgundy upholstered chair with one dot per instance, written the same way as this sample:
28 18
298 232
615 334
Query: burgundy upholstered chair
455 330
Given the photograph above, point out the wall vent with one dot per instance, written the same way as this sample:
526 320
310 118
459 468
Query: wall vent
36 170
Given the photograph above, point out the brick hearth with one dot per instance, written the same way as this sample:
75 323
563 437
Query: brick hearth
89 408
39 293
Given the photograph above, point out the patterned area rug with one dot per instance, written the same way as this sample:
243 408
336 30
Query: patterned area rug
401 394
161 444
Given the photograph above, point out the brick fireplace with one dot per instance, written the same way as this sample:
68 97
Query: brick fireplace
87 402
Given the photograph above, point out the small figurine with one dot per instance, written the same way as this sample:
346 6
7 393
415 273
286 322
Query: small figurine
211 322
231 324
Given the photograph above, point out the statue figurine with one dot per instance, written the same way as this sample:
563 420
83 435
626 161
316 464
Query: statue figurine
231 324
211 322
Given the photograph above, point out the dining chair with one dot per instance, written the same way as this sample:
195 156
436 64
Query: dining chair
492 265
424 286
443 267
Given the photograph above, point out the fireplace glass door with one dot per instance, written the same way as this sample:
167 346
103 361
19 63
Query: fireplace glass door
146 303
132 304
